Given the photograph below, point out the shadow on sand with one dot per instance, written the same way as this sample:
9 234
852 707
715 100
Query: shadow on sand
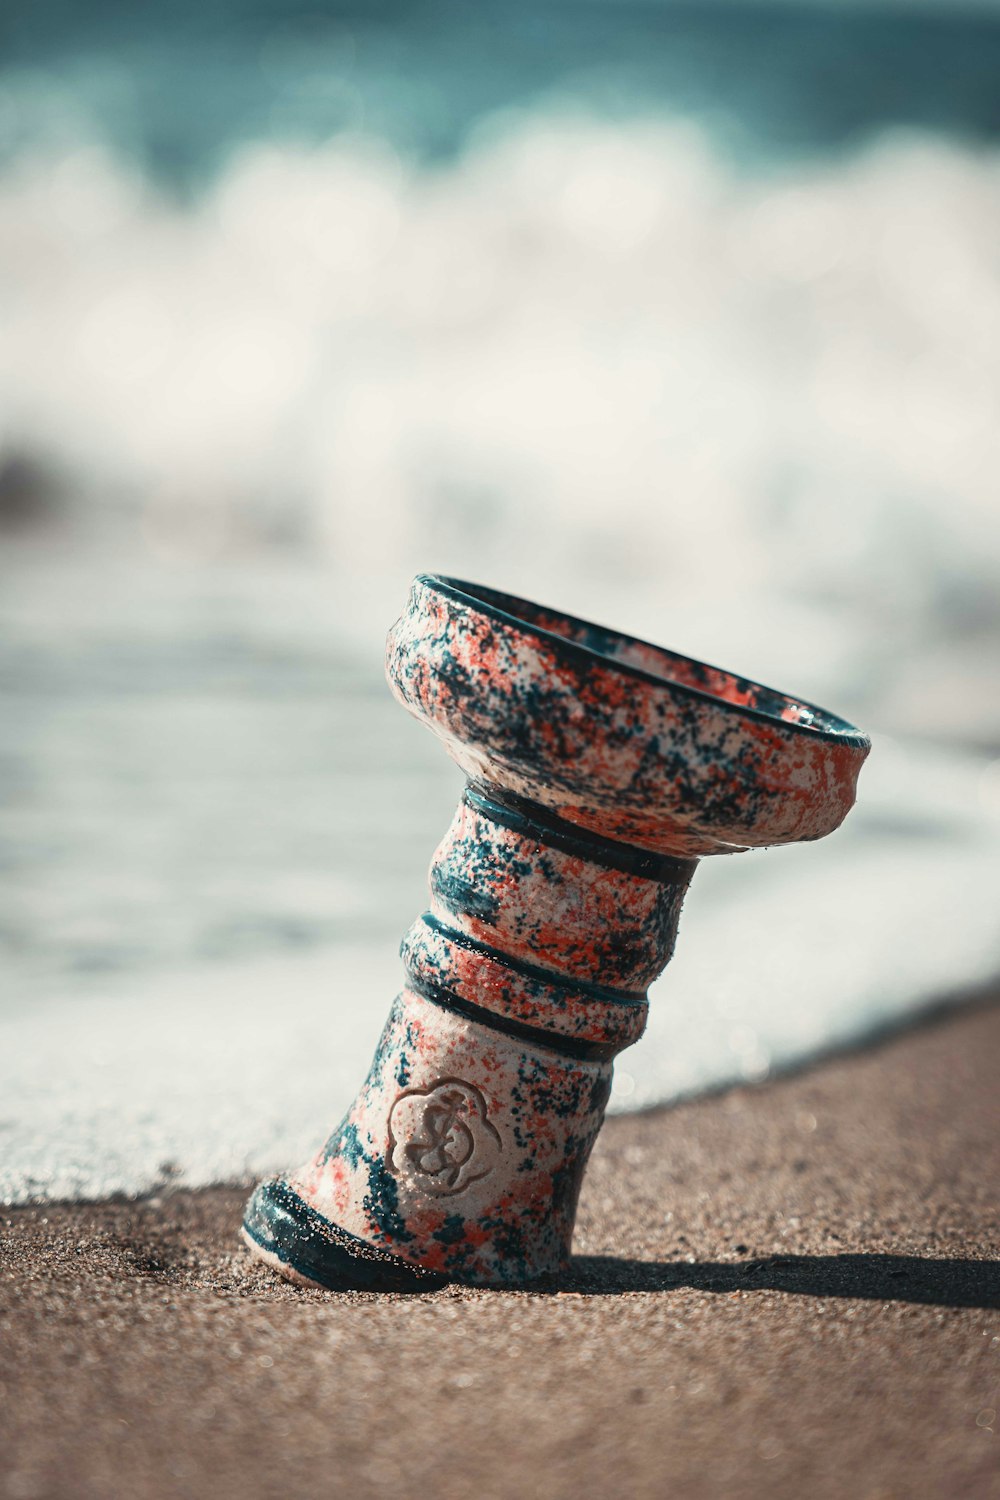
882 1278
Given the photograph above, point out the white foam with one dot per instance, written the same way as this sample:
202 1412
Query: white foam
589 338
216 829
226 1071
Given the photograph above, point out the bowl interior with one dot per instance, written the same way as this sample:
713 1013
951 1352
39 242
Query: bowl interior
652 662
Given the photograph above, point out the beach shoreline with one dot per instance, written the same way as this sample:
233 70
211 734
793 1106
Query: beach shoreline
779 1290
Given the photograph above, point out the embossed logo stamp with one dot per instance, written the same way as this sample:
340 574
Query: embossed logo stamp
441 1139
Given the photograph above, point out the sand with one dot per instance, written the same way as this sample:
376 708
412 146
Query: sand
784 1291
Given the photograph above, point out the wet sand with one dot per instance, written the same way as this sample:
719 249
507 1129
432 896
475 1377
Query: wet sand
784 1291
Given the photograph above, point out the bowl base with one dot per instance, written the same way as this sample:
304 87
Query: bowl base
282 1230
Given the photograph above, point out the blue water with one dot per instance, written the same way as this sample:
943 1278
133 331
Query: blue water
180 85
682 318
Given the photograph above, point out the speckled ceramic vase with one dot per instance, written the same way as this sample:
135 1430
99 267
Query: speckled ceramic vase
600 770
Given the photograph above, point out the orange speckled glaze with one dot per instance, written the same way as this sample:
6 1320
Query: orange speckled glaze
600 769
617 736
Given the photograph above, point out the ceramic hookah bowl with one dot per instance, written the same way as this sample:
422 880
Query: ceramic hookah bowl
600 770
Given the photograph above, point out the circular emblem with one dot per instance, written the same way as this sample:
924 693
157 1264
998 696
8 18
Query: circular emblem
441 1139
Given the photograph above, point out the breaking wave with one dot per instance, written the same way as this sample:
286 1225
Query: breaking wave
595 339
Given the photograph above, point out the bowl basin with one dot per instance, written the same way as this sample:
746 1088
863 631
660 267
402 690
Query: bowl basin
621 738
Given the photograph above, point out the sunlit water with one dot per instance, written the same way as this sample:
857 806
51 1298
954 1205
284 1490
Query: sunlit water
217 825
728 381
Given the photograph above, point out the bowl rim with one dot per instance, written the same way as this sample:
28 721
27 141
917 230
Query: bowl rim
481 597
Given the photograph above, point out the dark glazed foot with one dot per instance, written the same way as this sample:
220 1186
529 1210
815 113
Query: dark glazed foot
280 1228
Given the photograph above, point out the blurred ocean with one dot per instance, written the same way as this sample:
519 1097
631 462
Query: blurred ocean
682 318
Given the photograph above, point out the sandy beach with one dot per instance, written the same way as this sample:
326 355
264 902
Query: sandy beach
785 1290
